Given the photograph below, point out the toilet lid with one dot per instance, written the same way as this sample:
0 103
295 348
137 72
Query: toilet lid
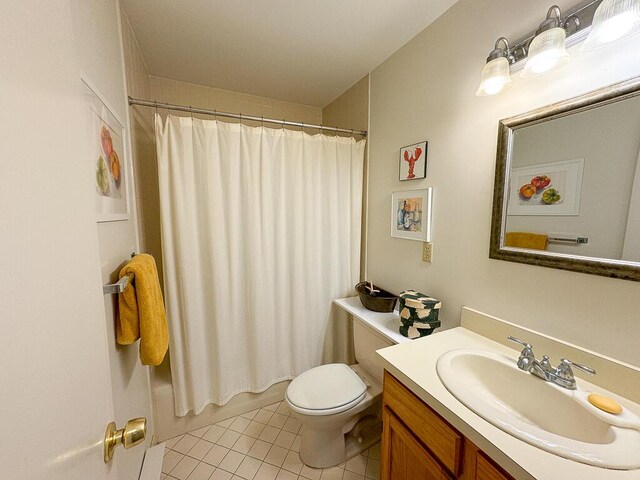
326 387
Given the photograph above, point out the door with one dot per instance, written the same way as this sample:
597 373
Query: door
55 387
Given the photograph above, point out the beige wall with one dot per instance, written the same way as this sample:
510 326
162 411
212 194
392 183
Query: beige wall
351 110
182 93
426 91
143 147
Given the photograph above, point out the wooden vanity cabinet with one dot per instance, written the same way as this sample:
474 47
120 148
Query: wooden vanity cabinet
418 444
405 457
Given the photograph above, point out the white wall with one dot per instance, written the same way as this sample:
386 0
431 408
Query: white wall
96 26
607 138
426 91
631 249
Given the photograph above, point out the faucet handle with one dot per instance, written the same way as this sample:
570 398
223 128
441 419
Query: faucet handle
517 340
566 364
527 357
563 375
545 365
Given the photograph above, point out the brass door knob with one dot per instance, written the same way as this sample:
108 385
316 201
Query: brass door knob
131 435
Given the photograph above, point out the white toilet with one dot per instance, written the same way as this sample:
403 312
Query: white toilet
340 405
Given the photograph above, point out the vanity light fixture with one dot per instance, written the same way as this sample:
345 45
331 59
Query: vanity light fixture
614 20
495 74
547 50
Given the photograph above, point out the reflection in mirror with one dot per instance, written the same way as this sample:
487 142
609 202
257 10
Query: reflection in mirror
568 185
575 177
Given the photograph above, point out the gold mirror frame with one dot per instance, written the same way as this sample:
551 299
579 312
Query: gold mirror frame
595 266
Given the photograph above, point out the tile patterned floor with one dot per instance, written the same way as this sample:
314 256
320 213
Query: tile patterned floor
259 445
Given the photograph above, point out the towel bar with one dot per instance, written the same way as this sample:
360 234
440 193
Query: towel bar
567 238
118 287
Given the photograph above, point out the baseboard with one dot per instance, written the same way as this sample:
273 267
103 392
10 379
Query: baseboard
168 425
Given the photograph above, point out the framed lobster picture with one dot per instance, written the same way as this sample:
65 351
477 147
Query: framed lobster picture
413 161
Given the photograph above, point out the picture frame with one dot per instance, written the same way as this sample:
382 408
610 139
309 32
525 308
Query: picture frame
413 161
531 189
411 214
107 152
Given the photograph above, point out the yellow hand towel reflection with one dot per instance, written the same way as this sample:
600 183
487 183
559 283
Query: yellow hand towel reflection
533 241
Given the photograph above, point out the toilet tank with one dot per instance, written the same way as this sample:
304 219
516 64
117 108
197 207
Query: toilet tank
371 334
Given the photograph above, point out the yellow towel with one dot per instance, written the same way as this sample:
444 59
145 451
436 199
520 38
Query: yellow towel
533 241
142 314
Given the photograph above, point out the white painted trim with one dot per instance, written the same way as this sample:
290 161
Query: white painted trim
152 463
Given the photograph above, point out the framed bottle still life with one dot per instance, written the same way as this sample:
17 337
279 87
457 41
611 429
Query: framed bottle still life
413 161
411 214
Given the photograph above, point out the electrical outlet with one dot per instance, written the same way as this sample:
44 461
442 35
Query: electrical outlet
427 250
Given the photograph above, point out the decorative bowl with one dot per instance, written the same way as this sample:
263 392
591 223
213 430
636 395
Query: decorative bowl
381 301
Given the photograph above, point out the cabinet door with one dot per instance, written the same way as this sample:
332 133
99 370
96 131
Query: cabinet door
403 457
487 470
443 441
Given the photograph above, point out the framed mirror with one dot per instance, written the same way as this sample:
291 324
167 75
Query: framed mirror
567 185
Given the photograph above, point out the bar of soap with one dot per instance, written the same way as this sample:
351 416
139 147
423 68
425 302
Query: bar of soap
604 403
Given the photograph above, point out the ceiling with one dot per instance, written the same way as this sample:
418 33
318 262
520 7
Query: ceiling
303 51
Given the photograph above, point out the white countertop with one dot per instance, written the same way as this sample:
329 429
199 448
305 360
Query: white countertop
414 364
385 323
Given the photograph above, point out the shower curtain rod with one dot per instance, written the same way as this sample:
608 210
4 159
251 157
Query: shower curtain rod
204 111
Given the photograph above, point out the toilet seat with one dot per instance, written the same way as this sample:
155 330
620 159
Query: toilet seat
325 390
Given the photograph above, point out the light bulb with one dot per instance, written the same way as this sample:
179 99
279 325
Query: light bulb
544 62
546 52
614 20
495 77
493 86
616 27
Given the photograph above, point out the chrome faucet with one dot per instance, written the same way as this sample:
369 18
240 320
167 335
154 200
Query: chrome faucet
562 375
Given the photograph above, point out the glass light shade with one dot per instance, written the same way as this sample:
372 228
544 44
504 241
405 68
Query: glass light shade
614 20
495 77
546 52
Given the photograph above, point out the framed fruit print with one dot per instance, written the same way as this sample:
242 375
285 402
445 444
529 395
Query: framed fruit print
546 188
107 156
413 161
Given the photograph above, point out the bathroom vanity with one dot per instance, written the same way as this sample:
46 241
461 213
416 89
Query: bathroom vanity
409 423
430 433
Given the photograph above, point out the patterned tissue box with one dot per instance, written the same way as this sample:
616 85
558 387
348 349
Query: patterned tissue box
418 314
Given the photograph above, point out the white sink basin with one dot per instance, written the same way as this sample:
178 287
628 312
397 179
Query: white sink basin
547 416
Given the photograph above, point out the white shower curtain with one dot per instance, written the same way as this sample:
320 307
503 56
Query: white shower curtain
260 231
